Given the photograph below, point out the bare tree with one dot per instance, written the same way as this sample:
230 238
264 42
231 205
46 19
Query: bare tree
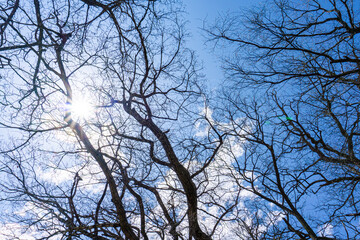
292 94
127 163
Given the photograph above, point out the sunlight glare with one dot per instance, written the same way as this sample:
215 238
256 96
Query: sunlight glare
81 108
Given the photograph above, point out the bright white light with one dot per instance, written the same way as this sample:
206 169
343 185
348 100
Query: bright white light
81 108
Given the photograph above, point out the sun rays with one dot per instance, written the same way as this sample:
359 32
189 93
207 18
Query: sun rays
81 108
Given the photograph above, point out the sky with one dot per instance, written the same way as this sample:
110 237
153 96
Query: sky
198 12
209 10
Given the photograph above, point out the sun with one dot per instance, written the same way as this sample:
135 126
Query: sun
81 108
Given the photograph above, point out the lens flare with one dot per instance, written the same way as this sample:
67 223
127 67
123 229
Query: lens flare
81 109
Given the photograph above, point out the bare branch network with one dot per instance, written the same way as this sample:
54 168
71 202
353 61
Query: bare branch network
107 131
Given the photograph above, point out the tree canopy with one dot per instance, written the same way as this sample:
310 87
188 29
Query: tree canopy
294 78
107 131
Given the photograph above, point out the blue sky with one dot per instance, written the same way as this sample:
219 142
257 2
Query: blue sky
198 11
